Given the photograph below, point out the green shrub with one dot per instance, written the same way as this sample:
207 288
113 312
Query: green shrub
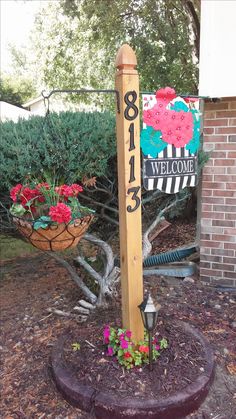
68 145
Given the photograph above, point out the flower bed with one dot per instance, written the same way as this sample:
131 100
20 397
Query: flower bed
176 386
130 355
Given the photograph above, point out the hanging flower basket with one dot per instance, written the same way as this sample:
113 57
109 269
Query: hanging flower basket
54 237
50 217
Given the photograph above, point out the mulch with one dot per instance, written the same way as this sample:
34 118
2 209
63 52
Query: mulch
91 366
31 285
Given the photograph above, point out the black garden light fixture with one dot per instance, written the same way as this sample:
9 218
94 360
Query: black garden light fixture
149 313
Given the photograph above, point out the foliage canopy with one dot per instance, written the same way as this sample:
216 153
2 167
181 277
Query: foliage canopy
16 91
75 42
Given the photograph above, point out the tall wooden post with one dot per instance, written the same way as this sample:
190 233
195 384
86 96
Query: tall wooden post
128 150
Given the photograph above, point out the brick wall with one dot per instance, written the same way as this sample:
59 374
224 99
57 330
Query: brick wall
218 206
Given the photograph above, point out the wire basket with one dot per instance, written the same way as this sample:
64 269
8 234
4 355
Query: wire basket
55 237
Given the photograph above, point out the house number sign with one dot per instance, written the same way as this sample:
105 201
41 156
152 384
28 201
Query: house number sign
130 114
129 190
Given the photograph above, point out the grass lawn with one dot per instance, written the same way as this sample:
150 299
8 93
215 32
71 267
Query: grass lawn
11 248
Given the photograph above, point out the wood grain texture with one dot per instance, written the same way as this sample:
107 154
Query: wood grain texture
127 80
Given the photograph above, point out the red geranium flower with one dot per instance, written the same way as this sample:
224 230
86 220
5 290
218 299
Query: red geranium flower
60 213
127 355
14 192
43 185
67 191
60 189
76 188
28 194
143 348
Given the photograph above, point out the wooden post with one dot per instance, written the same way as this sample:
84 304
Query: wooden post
128 150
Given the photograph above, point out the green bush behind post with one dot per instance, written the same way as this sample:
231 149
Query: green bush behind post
68 145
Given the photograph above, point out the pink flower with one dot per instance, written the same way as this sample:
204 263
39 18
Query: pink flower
124 344
121 336
176 127
128 334
157 347
143 348
14 192
60 213
110 351
148 117
106 334
178 130
166 94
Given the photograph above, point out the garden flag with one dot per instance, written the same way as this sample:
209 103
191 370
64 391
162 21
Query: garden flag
170 140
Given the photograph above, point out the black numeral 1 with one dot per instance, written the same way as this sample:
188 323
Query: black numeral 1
131 138
131 163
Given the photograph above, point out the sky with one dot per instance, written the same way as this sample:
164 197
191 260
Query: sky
17 19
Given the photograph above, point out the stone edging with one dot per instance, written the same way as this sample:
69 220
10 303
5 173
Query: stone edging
106 406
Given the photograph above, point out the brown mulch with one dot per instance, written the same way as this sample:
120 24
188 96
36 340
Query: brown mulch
179 233
31 285
91 365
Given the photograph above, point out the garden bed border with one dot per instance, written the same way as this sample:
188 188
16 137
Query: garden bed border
105 406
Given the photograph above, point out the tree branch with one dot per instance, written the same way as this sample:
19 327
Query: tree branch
195 23
107 250
89 294
89 269
99 203
152 196
106 217
147 247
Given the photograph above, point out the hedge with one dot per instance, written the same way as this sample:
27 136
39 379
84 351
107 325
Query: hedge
68 145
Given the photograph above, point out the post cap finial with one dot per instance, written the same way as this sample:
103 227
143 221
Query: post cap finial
125 57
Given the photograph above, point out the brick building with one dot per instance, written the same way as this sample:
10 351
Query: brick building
218 192
218 204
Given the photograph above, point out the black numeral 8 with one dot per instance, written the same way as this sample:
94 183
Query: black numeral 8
130 105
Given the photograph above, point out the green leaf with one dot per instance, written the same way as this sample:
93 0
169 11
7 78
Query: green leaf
44 218
163 343
40 224
17 210
75 346
180 106
151 142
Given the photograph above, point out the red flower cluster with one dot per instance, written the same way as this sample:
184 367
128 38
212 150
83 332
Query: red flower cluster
60 213
25 195
43 185
143 348
55 199
67 191
176 127
15 192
